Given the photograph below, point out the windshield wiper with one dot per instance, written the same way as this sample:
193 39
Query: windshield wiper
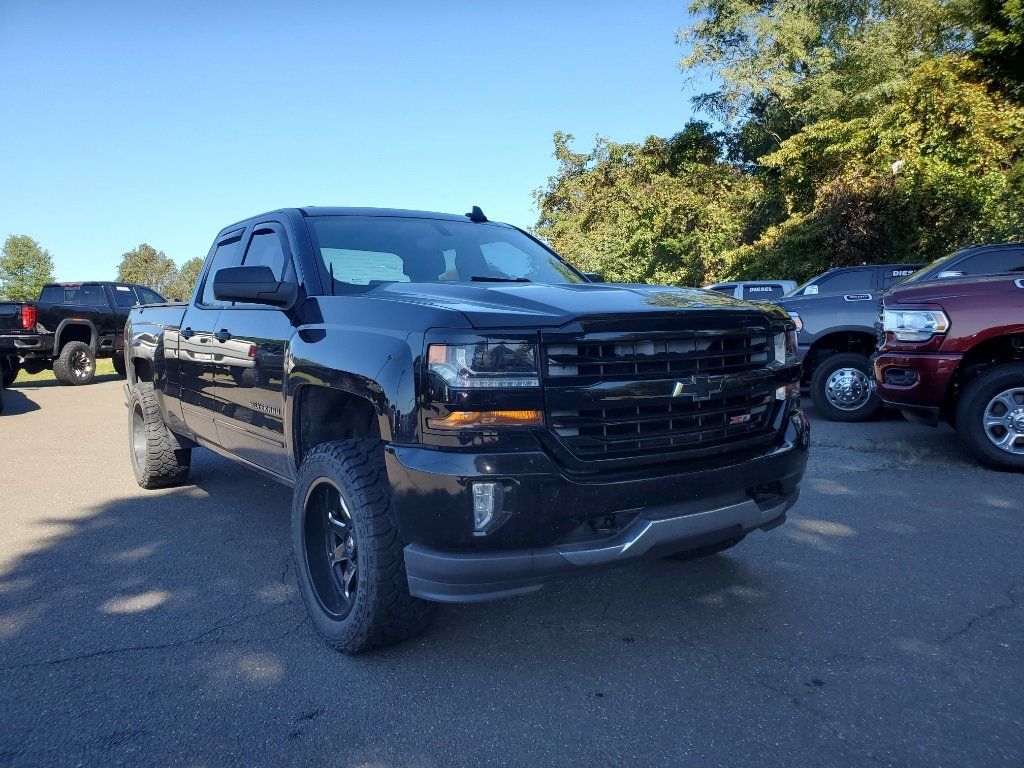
487 279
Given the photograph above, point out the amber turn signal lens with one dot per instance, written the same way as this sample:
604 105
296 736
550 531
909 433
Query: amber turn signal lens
469 419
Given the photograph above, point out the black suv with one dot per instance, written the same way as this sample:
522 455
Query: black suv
461 414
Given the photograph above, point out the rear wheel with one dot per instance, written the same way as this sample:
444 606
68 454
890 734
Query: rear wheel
990 417
158 459
76 364
348 555
9 368
841 388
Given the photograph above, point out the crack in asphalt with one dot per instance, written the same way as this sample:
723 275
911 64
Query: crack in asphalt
197 639
988 614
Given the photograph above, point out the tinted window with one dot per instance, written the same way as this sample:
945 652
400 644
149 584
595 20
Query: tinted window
224 256
124 296
147 296
728 290
991 262
365 250
83 295
766 291
893 275
857 280
266 249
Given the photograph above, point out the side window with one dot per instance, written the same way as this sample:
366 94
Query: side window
854 281
266 249
147 296
992 262
124 296
728 290
893 275
224 256
762 292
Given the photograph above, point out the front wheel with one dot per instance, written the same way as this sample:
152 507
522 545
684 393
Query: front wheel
348 555
990 417
119 365
841 388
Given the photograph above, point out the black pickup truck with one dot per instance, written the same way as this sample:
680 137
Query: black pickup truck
461 414
70 326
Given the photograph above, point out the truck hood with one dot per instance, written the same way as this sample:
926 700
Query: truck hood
936 290
513 305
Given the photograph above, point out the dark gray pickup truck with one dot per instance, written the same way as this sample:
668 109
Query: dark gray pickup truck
837 313
461 414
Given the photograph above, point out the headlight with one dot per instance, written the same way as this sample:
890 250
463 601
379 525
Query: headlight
914 324
796 319
785 347
490 364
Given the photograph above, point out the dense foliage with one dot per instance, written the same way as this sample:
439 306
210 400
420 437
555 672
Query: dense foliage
25 268
145 265
850 131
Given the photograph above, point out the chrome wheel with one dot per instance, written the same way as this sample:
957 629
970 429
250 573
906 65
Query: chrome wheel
332 552
1004 421
848 389
81 364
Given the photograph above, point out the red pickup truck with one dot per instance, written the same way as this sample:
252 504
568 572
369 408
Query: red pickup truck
954 350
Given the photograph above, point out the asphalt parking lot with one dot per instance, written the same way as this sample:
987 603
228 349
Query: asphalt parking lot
881 625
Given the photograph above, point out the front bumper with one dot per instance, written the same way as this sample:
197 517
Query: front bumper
922 397
548 533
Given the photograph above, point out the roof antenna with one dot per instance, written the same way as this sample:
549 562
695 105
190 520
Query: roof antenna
476 215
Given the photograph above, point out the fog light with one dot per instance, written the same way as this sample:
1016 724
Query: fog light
487 500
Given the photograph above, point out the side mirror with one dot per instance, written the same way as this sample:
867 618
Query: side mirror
594 277
255 285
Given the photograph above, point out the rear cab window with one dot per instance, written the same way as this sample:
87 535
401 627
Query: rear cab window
851 281
762 291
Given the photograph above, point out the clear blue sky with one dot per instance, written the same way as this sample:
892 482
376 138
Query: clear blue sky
162 122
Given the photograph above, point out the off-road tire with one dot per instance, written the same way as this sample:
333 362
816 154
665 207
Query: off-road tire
382 611
2 388
826 368
9 368
970 412
120 367
158 459
64 369
710 549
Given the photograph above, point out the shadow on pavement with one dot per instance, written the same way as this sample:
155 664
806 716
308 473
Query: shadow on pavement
16 403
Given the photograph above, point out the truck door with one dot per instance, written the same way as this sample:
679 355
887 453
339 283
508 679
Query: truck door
199 352
252 340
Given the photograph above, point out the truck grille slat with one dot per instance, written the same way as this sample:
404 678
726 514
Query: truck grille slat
597 413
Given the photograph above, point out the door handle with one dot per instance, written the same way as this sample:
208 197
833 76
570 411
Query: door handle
222 335
187 333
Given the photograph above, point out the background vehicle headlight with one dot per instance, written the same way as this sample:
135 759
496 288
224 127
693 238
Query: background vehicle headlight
490 364
785 347
914 324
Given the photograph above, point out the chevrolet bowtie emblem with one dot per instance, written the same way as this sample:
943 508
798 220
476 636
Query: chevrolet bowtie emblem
697 387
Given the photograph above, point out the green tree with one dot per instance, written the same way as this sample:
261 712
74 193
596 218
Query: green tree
185 282
662 212
24 269
147 266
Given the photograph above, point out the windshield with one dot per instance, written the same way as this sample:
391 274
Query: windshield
927 268
364 251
